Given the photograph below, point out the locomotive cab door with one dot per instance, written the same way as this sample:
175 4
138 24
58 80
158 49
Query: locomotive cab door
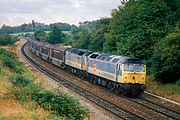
118 72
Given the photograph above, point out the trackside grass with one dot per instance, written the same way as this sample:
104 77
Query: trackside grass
47 104
170 91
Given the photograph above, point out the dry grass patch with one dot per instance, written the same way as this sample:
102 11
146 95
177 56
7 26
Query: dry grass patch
170 91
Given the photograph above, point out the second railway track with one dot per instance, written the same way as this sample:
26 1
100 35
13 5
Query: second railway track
108 105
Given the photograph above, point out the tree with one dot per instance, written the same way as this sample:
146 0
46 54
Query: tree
40 36
33 24
98 35
165 61
84 39
6 40
138 25
62 26
55 36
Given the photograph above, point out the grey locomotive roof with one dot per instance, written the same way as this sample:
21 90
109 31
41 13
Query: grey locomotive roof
59 48
80 52
109 57
46 45
106 57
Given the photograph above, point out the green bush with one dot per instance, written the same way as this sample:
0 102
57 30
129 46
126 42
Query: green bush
6 40
59 104
20 81
9 61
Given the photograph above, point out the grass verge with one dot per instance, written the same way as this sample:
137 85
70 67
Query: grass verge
170 91
30 96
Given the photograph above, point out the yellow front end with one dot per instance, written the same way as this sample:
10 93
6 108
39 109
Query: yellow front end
134 76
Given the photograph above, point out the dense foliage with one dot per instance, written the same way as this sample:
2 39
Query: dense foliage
55 36
98 35
140 28
41 36
82 39
91 35
137 26
6 40
63 26
166 59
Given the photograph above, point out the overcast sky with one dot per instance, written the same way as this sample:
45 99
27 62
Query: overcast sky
17 12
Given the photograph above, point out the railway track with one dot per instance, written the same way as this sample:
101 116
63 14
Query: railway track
121 112
156 107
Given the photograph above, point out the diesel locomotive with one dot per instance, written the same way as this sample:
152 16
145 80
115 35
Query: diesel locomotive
121 74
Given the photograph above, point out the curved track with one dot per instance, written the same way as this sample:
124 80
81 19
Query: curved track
121 112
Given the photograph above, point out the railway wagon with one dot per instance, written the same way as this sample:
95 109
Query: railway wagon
57 55
45 51
33 43
37 48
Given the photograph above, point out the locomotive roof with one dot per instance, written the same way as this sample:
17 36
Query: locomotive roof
116 58
60 48
81 52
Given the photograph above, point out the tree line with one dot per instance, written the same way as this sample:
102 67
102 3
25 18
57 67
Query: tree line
55 36
35 26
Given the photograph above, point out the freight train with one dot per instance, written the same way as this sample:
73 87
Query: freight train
121 74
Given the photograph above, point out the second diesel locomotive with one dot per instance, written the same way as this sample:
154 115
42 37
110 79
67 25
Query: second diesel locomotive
124 75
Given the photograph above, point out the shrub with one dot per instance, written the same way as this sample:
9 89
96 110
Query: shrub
59 104
6 40
20 81
9 61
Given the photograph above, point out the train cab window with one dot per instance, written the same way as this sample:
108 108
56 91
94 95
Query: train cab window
139 68
128 67
93 56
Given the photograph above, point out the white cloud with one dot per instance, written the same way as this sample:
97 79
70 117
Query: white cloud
14 12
